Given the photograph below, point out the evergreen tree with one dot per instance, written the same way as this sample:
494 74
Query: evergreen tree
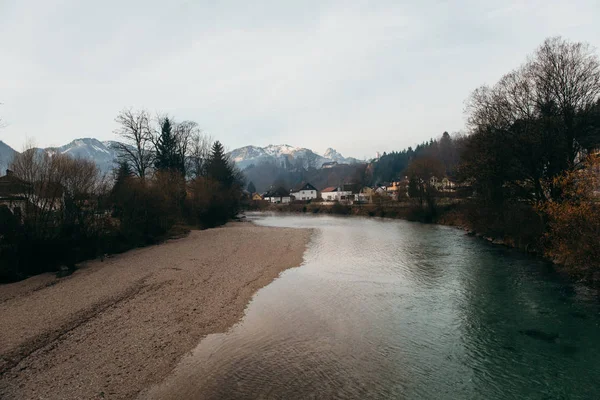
218 167
122 173
168 157
251 187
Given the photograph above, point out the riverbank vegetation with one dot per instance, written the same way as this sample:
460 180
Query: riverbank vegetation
527 167
62 210
533 136
525 174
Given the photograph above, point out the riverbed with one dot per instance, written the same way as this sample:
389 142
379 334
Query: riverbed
118 326
400 310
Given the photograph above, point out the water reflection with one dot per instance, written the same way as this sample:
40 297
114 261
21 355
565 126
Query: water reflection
391 309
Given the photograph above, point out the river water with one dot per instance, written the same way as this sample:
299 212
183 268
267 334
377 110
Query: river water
393 309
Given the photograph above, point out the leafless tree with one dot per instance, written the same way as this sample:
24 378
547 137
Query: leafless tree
198 154
566 76
186 135
137 150
543 112
49 181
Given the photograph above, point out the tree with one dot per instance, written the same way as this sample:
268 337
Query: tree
169 156
420 172
121 175
567 76
535 122
251 187
574 221
199 153
219 168
186 134
134 129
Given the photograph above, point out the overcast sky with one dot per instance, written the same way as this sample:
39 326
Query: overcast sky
358 76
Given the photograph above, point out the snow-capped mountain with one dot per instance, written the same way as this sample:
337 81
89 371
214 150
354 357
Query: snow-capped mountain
102 153
336 156
286 156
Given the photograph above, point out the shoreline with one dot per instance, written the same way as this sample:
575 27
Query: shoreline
113 328
444 219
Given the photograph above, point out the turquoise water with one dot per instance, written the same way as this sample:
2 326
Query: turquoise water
393 309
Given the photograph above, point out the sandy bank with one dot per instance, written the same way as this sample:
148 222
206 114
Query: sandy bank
115 327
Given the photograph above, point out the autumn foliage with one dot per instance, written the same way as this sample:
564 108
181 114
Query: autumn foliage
573 236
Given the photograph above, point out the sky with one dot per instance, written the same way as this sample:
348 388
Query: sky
358 76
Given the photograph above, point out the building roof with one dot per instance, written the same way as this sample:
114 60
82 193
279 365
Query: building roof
304 186
329 189
11 185
279 192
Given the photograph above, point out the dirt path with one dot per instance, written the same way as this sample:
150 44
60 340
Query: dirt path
114 328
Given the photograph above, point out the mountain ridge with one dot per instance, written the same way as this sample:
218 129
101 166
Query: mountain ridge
286 156
104 155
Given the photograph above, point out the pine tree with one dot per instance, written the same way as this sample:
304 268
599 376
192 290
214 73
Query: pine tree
167 152
122 173
218 167
251 187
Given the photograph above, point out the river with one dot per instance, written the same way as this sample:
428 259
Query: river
400 310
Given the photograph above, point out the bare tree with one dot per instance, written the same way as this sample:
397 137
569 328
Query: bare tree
49 182
566 76
134 129
187 134
198 154
542 114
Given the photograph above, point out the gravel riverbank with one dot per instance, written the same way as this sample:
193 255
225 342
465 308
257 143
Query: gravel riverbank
115 327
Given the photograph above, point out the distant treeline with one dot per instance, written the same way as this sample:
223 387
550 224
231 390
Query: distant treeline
58 210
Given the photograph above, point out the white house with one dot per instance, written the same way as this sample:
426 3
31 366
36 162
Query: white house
279 195
305 192
337 194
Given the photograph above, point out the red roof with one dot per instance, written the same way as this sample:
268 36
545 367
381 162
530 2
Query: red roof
329 189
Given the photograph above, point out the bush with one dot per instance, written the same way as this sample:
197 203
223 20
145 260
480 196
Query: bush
573 236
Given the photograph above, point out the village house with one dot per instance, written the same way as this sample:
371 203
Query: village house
329 193
277 196
305 192
380 190
442 185
392 189
22 197
365 195
256 197
334 193
447 185
14 193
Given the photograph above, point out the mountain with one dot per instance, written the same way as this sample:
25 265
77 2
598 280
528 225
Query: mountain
102 153
340 159
6 155
286 156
